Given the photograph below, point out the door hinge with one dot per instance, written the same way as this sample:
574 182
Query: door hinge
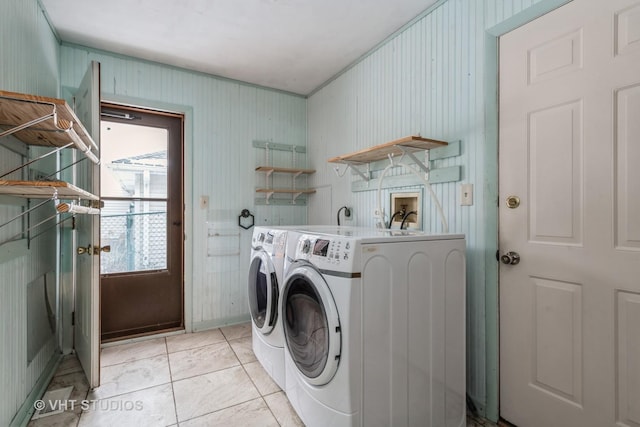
73 318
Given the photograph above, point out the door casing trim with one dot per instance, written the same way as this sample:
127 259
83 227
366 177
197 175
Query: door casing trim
187 112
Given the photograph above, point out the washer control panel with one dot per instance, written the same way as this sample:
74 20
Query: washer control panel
272 241
327 251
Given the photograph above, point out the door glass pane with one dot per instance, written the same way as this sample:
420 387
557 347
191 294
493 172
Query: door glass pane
133 161
133 187
137 234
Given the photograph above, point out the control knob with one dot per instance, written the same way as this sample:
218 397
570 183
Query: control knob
306 246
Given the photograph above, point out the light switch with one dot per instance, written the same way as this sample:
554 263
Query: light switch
466 194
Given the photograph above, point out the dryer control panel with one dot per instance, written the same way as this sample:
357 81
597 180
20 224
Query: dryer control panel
325 251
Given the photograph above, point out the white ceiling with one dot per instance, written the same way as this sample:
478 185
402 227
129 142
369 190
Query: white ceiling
292 45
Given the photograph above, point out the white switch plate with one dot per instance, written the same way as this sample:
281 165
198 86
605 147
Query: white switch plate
204 202
466 194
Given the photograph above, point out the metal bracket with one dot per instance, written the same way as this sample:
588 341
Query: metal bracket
418 162
353 167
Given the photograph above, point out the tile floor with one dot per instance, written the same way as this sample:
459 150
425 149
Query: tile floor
209 378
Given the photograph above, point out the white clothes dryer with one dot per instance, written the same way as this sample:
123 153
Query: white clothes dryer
370 317
266 271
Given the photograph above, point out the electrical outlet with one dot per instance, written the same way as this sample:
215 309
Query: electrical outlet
466 194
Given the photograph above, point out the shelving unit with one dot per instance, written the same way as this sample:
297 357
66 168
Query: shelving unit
409 144
42 121
269 190
399 147
45 122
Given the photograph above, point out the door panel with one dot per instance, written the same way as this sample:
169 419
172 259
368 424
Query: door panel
569 109
142 275
87 266
628 174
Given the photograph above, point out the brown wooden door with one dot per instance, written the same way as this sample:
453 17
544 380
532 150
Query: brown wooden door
142 222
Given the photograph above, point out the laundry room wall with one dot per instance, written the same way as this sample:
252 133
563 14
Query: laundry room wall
223 118
28 64
428 79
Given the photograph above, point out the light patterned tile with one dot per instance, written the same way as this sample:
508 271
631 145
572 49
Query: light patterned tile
133 351
282 409
151 407
261 378
128 377
243 347
202 360
63 419
237 331
254 413
194 340
212 392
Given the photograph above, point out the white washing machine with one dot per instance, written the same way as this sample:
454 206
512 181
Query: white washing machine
374 326
266 272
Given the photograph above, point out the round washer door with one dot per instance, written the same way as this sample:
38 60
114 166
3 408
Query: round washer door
311 324
263 292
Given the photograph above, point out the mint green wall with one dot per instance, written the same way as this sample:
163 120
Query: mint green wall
437 78
29 55
223 118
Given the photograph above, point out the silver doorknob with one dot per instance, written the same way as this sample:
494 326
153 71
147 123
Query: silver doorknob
510 258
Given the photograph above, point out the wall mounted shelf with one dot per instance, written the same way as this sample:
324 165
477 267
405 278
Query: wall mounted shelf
269 190
406 146
295 193
45 122
44 190
397 147
294 171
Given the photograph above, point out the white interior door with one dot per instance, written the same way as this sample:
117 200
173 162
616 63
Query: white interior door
87 265
570 150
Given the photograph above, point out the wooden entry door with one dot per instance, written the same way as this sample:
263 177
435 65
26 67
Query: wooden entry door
569 151
142 222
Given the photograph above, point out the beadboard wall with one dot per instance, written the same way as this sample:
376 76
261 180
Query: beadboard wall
223 118
29 64
430 79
